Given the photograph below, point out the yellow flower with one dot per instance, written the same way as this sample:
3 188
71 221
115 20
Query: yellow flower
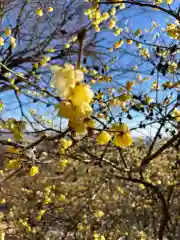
77 125
144 52
67 45
12 164
2 201
65 143
118 44
39 12
129 41
66 109
64 163
2 235
176 114
124 97
92 81
1 41
97 236
113 11
47 200
7 32
65 79
129 85
13 150
83 111
169 2
112 24
13 42
105 16
123 140
148 99
103 138
62 197
98 213
173 31
158 2
118 31
50 9
81 93
36 65
120 128
33 171
90 123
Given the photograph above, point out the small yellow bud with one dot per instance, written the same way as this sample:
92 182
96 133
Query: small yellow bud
50 9
1 41
129 41
169 1
103 138
33 171
7 32
39 12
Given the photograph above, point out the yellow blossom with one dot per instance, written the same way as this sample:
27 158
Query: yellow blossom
90 123
33 171
103 138
66 109
39 12
169 1
81 93
62 197
105 16
1 41
2 201
113 11
64 163
65 78
112 24
118 31
7 32
13 150
13 42
97 236
50 9
118 44
176 114
129 85
120 128
47 200
77 125
129 41
158 2
12 164
98 214
65 143
123 140
2 235
67 45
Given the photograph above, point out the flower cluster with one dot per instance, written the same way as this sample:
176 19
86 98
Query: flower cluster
173 30
120 133
77 96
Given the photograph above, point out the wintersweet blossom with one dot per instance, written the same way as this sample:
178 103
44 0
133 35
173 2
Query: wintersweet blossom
122 136
33 171
103 138
81 93
65 78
